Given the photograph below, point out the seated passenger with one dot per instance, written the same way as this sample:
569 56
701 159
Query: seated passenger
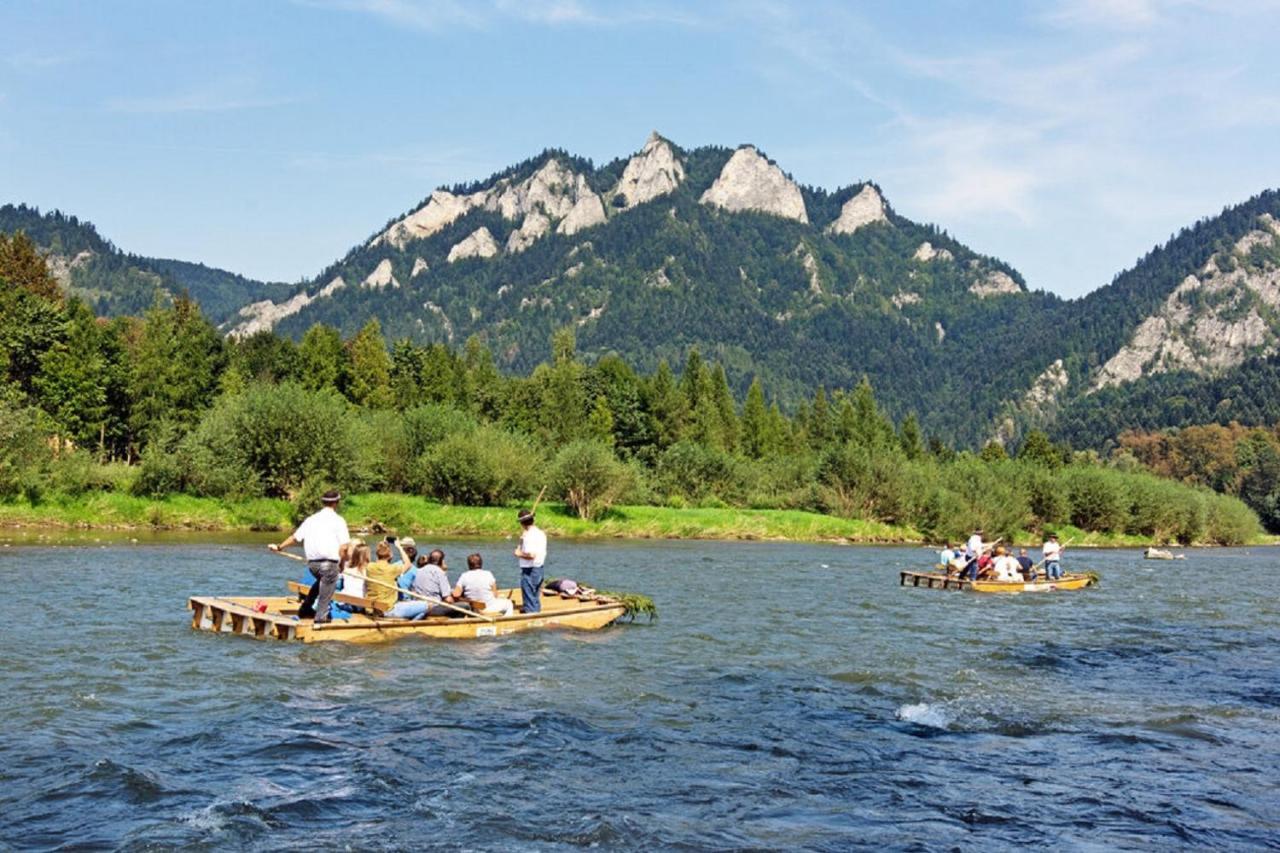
946 556
1005 566
408 561
478 585
355 569
1025 565
382 591
433 582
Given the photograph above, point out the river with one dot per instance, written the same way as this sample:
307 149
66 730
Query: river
789 696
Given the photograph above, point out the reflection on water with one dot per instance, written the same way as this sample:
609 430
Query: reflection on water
791 695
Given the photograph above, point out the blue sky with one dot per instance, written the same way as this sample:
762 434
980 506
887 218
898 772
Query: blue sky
268 136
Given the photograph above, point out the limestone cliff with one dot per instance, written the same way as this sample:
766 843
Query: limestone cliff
750 182
1213 320
863 209
478 244
652 173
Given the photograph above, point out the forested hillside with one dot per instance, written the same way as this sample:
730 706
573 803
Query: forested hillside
653 255
114 283
163 405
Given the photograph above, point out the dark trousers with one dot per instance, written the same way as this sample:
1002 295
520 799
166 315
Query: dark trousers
531 589
320 596
441 610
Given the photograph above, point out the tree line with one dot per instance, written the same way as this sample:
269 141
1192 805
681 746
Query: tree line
163 404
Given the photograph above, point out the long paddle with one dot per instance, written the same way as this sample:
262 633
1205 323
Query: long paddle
974 558
407 592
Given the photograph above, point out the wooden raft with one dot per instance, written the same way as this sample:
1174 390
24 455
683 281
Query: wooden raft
932 580
245 615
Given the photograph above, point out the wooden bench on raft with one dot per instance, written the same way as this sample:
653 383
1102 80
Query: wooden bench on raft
341 597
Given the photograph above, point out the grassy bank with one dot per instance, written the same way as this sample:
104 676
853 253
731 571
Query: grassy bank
419 516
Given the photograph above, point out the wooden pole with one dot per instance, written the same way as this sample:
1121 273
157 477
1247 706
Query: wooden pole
407 592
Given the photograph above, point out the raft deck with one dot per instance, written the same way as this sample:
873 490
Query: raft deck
276 617
937 580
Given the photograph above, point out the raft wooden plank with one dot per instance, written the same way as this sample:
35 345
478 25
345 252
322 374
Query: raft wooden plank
340 597
197 613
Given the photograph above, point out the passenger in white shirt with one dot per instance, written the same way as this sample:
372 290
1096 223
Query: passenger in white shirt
1006 566
324 538
532 554
480 587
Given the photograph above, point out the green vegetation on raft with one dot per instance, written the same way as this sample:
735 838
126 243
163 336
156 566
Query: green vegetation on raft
421 516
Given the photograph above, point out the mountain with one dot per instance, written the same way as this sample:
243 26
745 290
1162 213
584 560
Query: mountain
667 249
115 283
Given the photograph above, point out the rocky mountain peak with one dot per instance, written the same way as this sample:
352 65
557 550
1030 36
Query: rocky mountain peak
1214 319
863 209
750 182
652 173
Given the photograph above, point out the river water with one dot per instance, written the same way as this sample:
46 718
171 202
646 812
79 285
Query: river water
789 696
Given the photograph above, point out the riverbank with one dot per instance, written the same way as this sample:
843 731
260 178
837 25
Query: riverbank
407 514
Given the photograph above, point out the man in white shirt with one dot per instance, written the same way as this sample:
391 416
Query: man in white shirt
532 554
1051 556
974 547
324 538
480 586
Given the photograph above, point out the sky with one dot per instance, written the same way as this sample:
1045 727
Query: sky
1067 137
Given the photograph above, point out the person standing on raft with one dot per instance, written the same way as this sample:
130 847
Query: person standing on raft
324 538
532 554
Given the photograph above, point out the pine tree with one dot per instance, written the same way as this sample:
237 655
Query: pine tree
727 417
909 438
755 422
667 406
370 368
323 362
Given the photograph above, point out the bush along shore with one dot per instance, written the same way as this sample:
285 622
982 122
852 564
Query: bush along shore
161 422
407 514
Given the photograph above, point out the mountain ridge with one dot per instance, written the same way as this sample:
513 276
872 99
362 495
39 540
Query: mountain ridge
668 248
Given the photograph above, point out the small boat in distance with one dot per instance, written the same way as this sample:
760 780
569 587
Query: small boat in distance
938 580
276 617
1161 554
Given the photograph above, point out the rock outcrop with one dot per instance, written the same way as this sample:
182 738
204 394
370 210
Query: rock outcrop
419 267
535 225
994 283
750 182
442 209
1211 321
262 316
380 277
1037 407
925 252
478 244
810 264
652 173
863 209
587 212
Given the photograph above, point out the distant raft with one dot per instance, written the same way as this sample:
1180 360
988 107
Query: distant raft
276 618
1161 554
938 580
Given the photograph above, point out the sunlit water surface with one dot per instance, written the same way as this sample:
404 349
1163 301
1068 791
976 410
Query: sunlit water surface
789 696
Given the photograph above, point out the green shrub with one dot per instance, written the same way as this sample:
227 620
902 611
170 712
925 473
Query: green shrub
1045 495
1228 521
24 455
1191 517
159 473
857 481
589 478
486 467
694 471
1097 498
990 495
269 439
1155 506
